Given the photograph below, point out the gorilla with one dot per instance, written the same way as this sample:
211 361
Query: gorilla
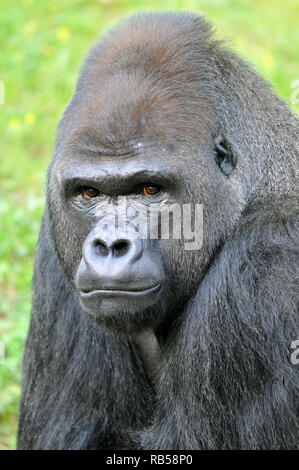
144 342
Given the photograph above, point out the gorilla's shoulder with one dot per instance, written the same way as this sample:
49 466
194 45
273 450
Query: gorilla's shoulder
264 247
270 220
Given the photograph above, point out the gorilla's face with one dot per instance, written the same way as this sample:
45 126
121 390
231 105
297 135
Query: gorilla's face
132 266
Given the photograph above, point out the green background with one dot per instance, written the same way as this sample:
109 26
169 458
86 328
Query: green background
42 46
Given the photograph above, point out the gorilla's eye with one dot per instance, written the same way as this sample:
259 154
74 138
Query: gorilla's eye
150 190
88 193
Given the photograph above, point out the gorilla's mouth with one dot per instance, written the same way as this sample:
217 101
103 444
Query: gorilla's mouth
111 291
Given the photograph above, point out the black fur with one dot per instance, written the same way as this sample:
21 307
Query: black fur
224 379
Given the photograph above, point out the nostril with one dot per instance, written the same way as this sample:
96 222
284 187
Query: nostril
100 248
117 248
120 247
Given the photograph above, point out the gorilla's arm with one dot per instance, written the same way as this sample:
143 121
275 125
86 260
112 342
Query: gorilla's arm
226 380
82 388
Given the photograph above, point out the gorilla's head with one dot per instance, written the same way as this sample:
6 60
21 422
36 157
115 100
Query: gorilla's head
142 132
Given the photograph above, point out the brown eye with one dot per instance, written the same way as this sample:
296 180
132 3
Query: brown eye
150 190
88 193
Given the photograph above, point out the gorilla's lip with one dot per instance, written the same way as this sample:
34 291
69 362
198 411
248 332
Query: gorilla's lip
112 291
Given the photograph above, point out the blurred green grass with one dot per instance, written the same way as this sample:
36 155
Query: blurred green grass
43 44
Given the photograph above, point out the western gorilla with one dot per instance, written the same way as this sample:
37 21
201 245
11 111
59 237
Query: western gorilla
140 343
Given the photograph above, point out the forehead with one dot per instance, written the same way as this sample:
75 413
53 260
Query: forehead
137 87
139 158
147 163
128 111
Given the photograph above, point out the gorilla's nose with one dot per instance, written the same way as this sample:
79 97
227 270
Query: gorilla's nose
117 263
116 248
99 249
110 261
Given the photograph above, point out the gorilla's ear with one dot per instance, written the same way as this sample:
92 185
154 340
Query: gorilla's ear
224 156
